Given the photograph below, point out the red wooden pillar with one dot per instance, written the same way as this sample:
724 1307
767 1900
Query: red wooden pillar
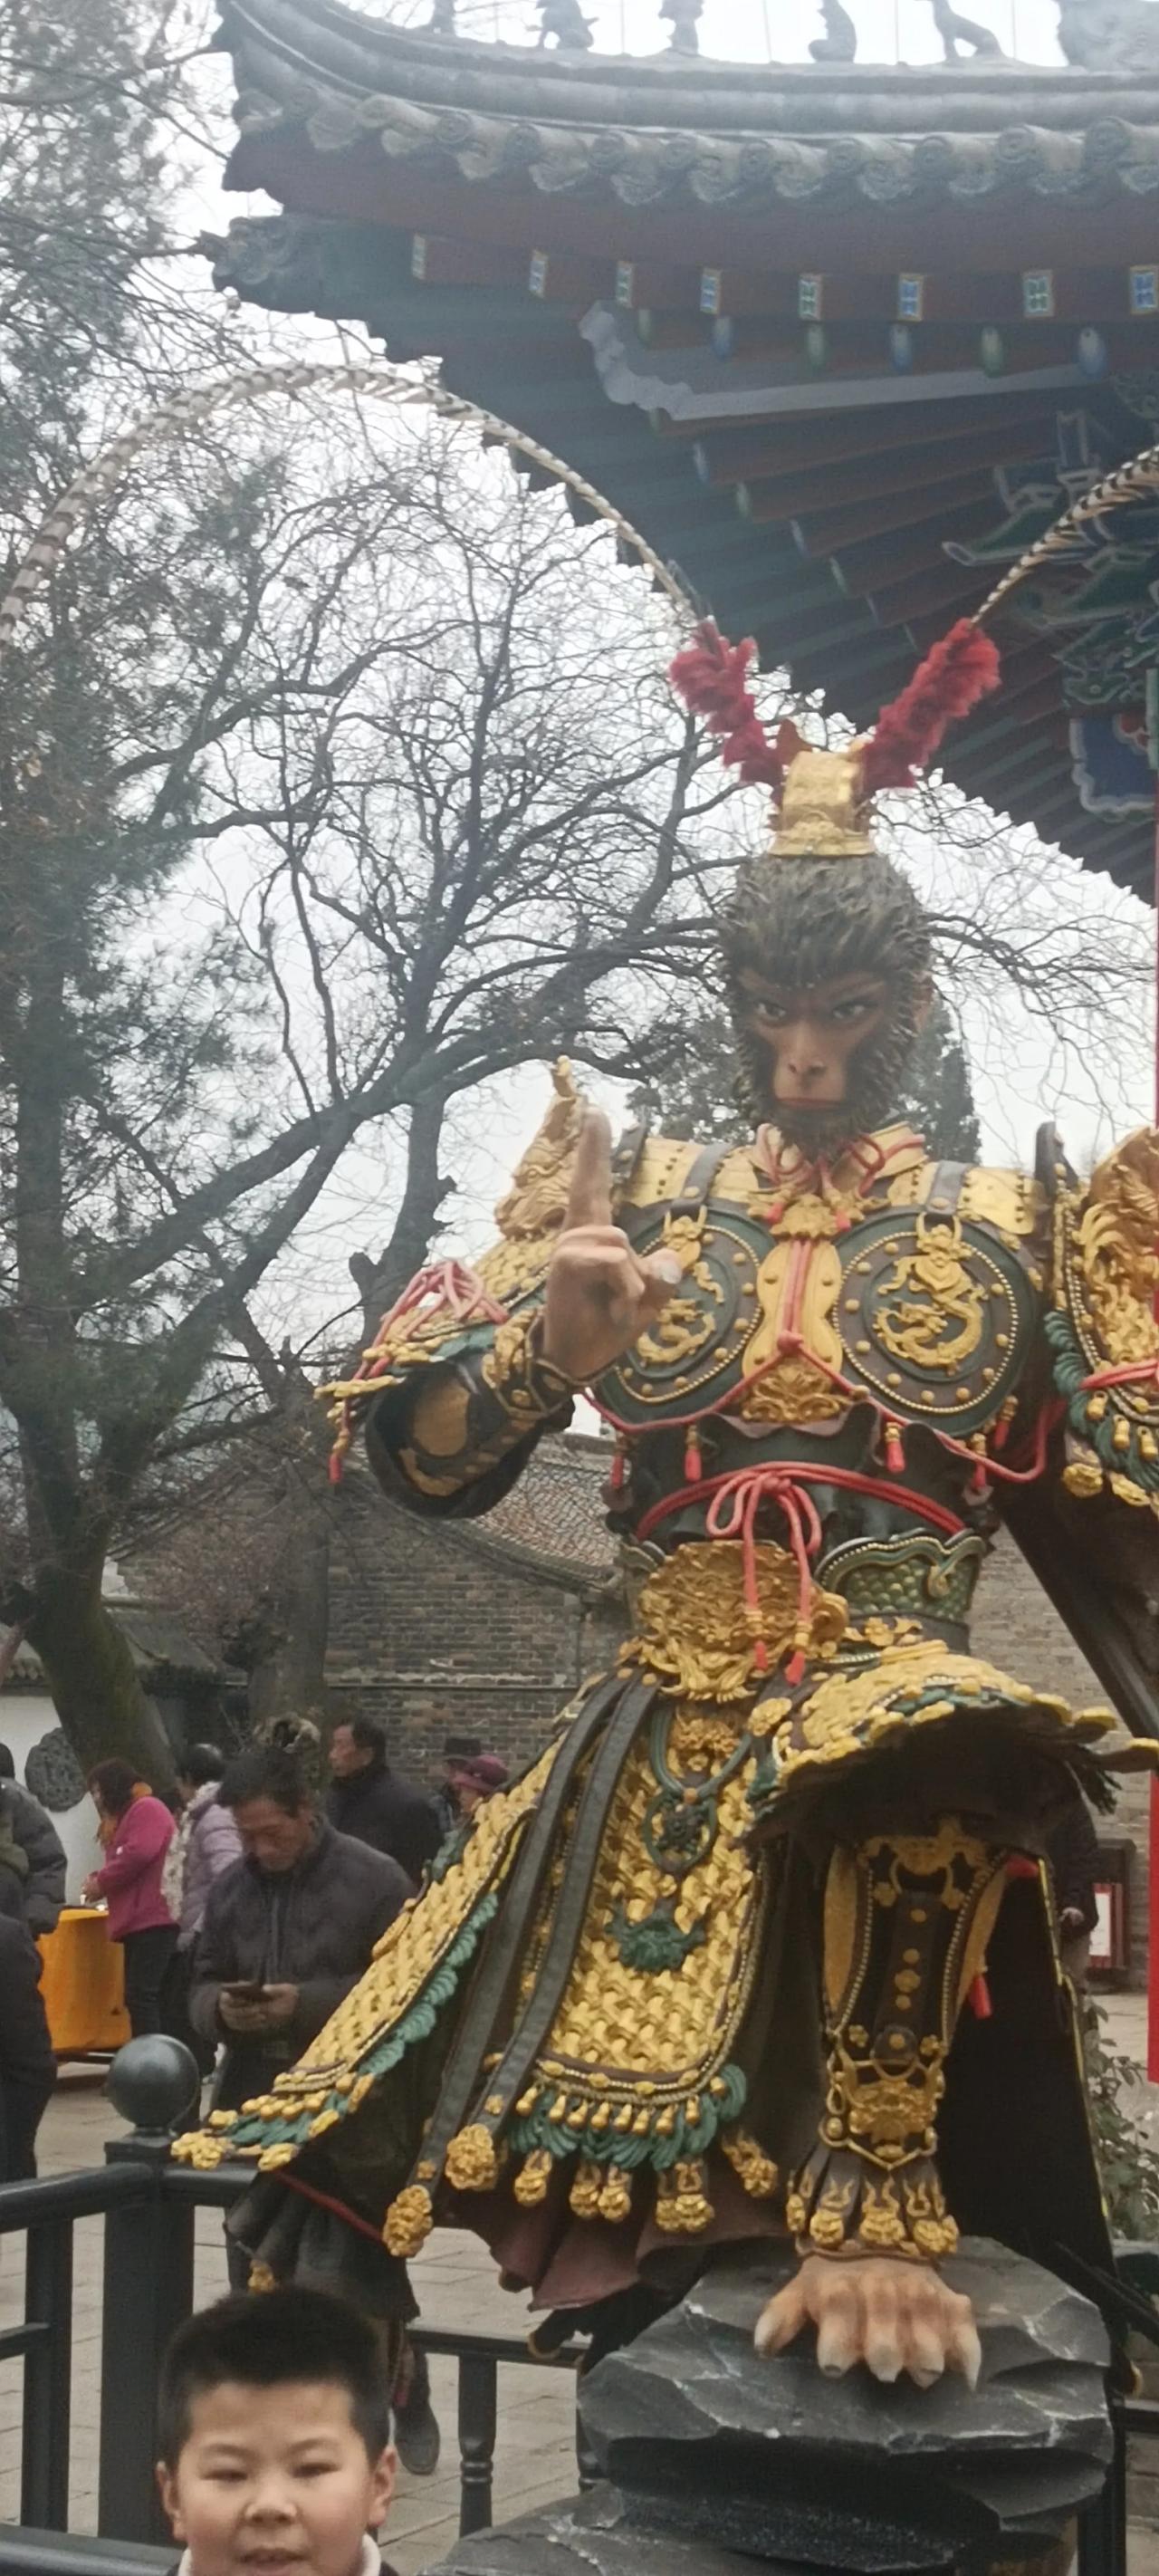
1153 1943
1153 1895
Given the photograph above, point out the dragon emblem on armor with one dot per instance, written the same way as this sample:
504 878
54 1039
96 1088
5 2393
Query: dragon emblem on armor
937 1319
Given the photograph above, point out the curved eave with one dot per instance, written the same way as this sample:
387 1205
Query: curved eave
526 361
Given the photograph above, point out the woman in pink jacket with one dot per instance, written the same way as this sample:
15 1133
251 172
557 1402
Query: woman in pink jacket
130 1881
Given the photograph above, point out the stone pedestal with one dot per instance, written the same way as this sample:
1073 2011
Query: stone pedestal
714 2458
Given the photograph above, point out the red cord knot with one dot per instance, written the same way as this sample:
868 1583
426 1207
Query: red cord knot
733 1512
894 1451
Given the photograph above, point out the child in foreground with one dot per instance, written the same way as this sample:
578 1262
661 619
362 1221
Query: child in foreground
274 2420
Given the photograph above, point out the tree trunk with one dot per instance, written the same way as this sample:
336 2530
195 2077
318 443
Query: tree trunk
90 1672
290 1679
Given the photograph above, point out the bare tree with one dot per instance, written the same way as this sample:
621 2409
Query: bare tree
337 775
348 782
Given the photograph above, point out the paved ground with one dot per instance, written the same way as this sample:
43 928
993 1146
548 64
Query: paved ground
457 2288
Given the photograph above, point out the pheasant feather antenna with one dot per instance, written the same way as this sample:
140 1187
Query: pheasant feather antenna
958 671
710 676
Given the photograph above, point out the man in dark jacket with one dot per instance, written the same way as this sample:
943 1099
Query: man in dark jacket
288 1929
27 2064
370 1801
33 1829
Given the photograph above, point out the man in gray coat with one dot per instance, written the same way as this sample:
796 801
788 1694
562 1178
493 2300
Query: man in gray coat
288 1929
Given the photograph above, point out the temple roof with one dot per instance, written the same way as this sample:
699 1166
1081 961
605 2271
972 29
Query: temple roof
836 336
677 129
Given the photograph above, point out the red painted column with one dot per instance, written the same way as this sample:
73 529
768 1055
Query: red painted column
1153 1897
1153 1944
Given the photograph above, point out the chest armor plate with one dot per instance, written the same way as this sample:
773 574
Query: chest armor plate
927 1315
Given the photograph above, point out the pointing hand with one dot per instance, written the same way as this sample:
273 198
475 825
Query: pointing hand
600 1294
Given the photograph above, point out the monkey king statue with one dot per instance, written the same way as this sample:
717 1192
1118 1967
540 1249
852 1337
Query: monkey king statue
762 1941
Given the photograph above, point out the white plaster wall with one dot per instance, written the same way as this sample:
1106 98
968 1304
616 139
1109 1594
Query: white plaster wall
25 1716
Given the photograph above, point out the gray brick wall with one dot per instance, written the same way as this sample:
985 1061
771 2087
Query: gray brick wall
443 1630
461 1628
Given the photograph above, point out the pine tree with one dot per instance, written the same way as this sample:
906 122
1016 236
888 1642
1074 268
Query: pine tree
938 1099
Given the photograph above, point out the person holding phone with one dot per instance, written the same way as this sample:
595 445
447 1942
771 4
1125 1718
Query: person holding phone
288 1928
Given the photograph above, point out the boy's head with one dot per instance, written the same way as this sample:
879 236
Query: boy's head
274 2421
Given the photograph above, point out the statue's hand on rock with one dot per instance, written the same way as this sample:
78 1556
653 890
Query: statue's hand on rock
599 1294
890 2313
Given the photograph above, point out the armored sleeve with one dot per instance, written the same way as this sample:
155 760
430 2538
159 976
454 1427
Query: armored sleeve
450 1439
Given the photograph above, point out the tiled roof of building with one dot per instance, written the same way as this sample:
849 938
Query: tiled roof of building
673 128
555 1513
157 1643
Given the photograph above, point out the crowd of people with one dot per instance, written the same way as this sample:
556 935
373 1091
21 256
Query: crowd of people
245 1907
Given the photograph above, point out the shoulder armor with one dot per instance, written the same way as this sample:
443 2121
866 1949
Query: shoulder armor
1103 1332
662 1169
1012 1202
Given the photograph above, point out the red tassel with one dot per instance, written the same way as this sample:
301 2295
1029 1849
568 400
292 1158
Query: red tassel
760 1655
693 1462
710 677
894 1452
795 1669
955 674
334 1468
618 1469
979 2000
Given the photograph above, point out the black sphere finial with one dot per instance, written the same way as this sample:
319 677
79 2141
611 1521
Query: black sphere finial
153 2082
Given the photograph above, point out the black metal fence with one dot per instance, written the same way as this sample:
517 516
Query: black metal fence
149 2208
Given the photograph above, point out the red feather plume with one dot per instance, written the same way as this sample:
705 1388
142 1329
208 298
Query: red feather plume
955 674
710 676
